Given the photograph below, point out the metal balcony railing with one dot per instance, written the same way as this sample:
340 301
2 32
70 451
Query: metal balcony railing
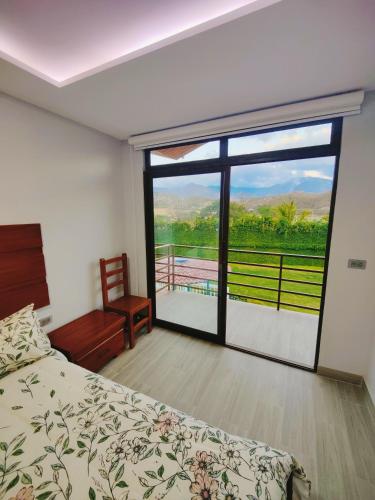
170 273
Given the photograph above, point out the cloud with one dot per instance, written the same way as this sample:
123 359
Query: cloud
317 174
262 175
283 139
265 175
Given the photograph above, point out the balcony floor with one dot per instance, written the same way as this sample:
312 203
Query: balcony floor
287 335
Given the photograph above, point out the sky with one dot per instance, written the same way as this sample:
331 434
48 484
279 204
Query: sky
311 135
265 175
260 175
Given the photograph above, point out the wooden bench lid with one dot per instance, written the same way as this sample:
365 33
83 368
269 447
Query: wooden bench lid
83 334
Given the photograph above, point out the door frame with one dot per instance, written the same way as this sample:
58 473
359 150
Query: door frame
219 337
223 165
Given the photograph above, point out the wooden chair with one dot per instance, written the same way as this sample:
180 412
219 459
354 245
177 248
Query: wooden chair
127 305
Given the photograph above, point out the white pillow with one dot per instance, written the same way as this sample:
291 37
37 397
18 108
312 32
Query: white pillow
22 341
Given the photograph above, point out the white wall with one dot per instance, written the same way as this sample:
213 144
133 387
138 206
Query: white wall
370 375
68 178
349 320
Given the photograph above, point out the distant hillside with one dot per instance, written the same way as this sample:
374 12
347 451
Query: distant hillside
180 207
184 202
317 203
305 185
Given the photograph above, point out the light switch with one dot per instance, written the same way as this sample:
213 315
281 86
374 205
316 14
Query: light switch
357 264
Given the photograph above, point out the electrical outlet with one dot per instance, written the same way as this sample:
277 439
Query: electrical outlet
45 321
357 264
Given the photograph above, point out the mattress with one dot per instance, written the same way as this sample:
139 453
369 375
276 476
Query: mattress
67 433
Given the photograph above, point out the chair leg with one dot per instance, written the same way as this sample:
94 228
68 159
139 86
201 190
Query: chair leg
149 322
131 331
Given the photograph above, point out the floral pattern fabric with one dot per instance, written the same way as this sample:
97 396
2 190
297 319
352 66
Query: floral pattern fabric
22 341
66 433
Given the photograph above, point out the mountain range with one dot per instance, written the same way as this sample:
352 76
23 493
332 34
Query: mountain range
304 185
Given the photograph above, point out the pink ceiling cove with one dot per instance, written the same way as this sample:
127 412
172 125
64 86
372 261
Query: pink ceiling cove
63 41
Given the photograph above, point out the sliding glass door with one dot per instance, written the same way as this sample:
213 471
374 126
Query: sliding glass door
238 235
186 214
278 234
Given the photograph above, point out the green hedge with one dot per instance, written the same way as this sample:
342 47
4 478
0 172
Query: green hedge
251 232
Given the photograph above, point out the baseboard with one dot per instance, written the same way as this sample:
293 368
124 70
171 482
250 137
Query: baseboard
370 401
351 378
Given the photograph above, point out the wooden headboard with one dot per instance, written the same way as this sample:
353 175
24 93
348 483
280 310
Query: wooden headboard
22 269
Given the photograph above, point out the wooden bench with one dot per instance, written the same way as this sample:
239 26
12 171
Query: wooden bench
91 340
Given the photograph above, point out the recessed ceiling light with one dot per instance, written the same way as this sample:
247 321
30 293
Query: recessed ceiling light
63 42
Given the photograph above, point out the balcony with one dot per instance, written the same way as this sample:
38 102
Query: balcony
273 299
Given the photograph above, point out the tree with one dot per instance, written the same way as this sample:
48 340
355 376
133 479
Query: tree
237 210
304 215
286 212
211 210
266 211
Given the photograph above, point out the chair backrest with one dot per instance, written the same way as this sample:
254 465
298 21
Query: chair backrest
122 280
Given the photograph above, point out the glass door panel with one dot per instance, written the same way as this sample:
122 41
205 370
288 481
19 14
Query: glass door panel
186 236
278 230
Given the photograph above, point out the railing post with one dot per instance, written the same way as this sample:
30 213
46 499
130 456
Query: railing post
280 281
173 265
155 264
169 267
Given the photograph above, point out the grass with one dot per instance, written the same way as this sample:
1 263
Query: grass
300 300
262 275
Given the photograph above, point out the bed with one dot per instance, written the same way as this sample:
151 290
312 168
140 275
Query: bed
67 433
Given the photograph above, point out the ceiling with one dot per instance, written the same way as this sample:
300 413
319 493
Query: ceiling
289 51
63 42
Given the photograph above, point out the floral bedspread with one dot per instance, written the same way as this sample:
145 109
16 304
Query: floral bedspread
67 433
